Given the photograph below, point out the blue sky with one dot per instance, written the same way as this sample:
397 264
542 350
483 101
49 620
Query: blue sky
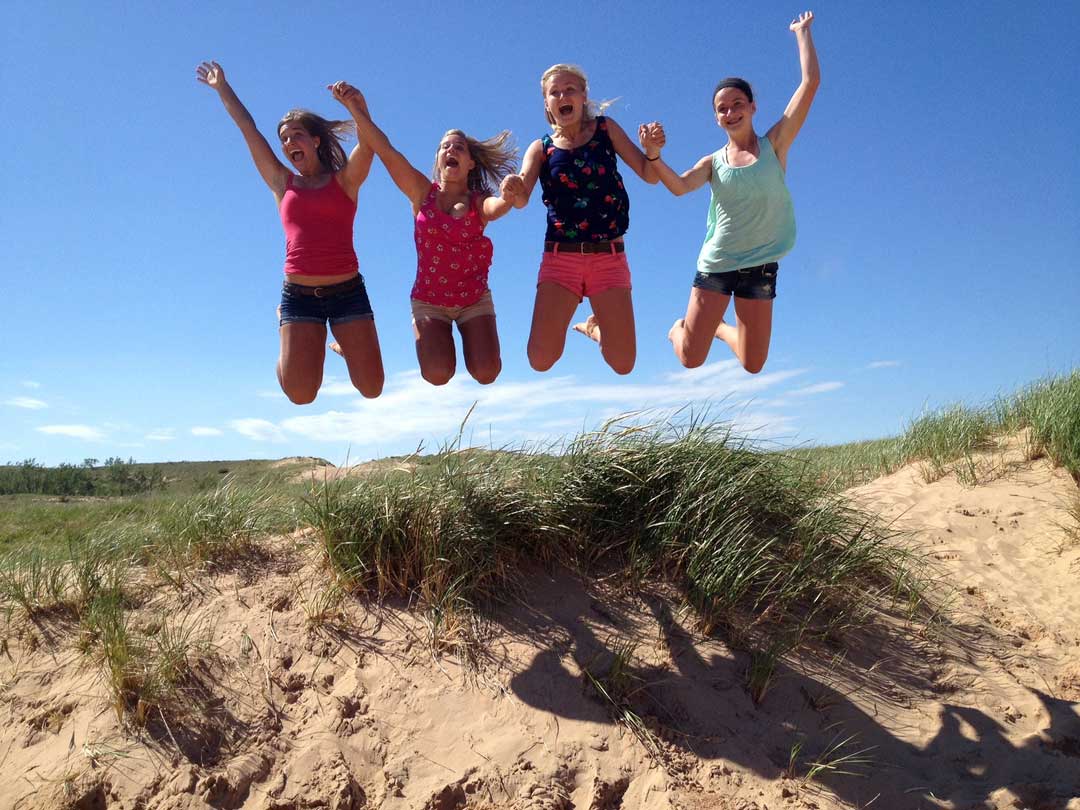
935 188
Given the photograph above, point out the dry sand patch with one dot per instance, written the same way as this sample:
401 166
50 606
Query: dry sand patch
357 713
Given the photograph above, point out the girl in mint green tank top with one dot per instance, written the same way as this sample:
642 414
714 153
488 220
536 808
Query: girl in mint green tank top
751 222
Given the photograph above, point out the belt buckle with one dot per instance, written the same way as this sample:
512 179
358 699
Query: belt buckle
318 292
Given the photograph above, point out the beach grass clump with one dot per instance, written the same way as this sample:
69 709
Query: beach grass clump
1050 410
746 533
218 526
145 666
446 532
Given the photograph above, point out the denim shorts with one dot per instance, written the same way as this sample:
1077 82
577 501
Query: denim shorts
758 283
338 303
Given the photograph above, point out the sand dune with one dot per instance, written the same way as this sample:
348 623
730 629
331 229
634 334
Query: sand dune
982 712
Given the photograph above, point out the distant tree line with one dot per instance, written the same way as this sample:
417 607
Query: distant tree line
114 476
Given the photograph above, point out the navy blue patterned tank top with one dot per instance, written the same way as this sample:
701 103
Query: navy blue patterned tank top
584 194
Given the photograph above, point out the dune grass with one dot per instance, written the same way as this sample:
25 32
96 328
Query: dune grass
947 440
752 540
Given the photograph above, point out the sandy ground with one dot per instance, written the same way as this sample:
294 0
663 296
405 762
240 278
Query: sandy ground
356 713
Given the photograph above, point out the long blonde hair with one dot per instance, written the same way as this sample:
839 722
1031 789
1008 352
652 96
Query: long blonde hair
592 108
494 158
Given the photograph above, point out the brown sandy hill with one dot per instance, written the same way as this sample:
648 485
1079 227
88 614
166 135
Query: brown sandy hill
355 711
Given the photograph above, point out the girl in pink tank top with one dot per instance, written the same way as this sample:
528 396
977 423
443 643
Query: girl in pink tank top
451 209
316 197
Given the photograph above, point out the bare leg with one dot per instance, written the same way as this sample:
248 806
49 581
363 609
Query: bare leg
692 336
749 338
552 311
612 326
300 364
359 344
435 350
480 345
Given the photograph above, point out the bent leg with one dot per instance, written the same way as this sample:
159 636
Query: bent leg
300 364
359 344
614 328
552 311
692 336
480 345
435 350
750 337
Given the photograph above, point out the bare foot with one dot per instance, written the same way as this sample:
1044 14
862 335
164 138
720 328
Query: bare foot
679 324
336 347
589 328
727 333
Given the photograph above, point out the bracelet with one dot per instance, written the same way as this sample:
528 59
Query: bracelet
652 159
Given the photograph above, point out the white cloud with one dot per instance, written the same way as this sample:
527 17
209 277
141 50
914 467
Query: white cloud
30 384
817 388
26 402
86 432
161 435
883 364
259 430
205 431
535 410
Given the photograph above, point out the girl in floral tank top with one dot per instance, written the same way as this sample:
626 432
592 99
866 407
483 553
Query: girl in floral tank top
588 211
451 209
452 254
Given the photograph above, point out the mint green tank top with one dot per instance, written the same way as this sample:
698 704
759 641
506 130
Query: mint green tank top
751 219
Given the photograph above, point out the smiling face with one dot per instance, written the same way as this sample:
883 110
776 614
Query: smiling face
300 147
565 99
734 111
453 160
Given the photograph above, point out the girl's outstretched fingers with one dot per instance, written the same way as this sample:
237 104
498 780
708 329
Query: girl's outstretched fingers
210 73
802 21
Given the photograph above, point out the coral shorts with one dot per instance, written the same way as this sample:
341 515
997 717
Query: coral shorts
585 274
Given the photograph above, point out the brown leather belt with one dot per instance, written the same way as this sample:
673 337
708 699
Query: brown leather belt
324 292
584 247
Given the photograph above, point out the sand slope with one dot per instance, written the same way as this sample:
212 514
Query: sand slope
356 713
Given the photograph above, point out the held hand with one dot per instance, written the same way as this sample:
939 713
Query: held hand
802 22
512 188
211 74
652 138
349 96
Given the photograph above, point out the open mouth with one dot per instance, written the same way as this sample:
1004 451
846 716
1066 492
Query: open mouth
296 155
566 109
452 162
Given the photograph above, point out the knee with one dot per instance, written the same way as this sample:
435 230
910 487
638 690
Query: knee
621 365
486 374
437 376
300 395
755 365
542 360
690 360
370 389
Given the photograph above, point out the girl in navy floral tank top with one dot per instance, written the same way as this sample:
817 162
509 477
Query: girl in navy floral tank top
451 209
588 211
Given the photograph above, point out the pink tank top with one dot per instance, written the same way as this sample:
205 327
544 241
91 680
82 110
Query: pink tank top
318 226
452 255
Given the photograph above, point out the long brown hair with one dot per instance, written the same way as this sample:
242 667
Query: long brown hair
494 158
330 134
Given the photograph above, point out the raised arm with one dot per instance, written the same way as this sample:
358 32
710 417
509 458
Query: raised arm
359 164
783 132
412 183
273 171
652 139
628 151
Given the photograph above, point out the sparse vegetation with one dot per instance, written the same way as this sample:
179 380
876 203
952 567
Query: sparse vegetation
945 441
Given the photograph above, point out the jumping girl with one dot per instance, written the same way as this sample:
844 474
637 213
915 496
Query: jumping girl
451 209
751 223
588 211
316 197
